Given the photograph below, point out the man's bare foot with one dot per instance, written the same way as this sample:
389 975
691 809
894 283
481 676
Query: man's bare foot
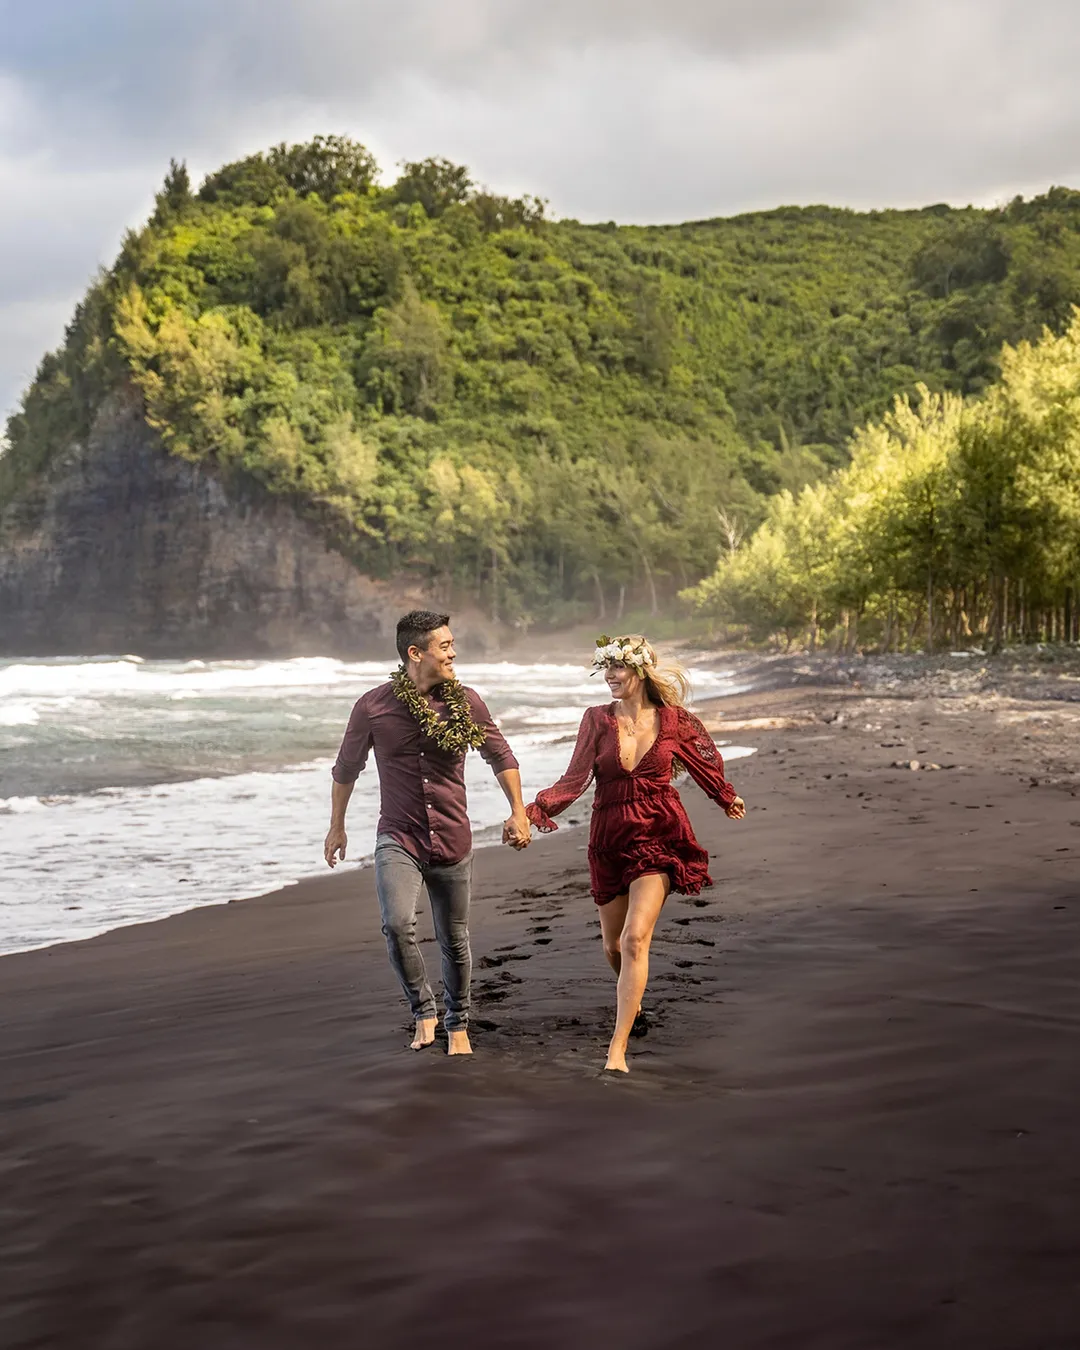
459 1043
425 1033
616 1061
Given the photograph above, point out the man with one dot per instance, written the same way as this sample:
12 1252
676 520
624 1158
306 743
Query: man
421 725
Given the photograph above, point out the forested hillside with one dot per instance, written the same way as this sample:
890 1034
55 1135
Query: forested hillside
550 418
957 519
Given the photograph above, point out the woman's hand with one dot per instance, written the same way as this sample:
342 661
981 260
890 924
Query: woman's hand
736 809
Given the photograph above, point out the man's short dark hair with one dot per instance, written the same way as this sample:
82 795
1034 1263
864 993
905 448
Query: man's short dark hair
415 629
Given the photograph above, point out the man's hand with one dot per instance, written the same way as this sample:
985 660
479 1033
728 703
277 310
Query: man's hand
336 841
516 831
736 809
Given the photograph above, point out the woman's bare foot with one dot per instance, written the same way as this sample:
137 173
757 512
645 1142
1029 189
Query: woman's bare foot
459 1043
425 1033
616 1060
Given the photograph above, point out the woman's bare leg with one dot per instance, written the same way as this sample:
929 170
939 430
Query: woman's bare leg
646 900
612 920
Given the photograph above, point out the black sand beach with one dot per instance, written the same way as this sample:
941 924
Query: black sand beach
852 1126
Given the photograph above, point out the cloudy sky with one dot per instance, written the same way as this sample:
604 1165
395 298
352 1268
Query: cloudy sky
634 110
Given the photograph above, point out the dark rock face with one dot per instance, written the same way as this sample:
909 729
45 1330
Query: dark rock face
124 548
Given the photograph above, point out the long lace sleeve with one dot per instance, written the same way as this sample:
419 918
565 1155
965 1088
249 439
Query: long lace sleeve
573 782
704 763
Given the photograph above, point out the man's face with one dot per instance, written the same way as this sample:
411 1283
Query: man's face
437 663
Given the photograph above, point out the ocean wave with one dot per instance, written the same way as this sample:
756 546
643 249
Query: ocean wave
529 715
184 679
20 713
18 806
126 676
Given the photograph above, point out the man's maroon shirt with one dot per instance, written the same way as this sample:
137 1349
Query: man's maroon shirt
422 788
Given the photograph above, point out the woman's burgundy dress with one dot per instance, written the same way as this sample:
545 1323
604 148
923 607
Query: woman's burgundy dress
639 824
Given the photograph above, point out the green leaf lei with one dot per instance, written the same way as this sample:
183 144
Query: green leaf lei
459 733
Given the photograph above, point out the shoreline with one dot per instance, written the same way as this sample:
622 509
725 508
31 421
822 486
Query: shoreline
151 846
783 683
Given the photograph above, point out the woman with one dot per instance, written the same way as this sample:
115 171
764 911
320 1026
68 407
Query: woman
641 844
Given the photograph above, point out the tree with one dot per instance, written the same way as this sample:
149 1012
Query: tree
327 166
407 357
436 184
175 195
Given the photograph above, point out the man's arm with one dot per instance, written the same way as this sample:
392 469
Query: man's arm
516 831
351 759
336 839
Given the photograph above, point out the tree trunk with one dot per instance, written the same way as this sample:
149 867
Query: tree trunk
916 622
998 595
929 609
1005 609
853 639
600 606
650 581
622 601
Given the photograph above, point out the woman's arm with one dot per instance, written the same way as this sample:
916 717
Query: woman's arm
704 763
573 782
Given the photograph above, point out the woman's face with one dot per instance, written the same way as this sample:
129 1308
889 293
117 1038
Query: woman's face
622 681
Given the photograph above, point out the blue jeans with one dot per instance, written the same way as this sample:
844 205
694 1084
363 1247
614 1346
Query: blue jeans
398 879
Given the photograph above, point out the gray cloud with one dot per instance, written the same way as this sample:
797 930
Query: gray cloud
626 109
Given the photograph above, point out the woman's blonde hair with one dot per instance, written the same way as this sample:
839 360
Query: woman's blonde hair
668 684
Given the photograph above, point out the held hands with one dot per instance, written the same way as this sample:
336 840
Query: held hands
734 810
336 842
517 832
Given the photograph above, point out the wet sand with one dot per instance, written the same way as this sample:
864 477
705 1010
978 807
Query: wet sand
852 1126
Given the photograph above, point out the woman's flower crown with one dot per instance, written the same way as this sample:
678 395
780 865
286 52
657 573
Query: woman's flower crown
622 652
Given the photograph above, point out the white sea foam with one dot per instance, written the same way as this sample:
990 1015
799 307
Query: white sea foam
526 716
18 806
18 713
44 679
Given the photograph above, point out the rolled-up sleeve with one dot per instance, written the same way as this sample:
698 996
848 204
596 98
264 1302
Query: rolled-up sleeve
495 748
355 746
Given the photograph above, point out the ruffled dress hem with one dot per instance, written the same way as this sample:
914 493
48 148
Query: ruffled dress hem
688 875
